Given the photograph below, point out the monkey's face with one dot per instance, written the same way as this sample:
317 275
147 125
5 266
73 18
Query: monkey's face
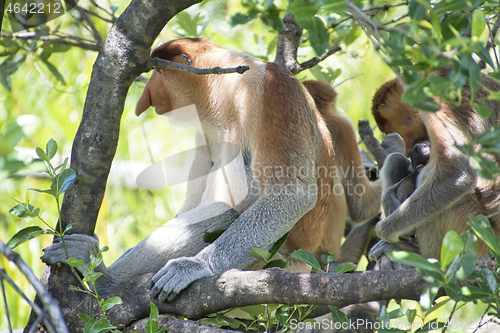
394 116
168 90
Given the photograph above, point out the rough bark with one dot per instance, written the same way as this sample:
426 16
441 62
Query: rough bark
123 57
235 288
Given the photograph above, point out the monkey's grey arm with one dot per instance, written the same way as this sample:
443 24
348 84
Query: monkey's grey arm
181 236
197 181
441 183
259 226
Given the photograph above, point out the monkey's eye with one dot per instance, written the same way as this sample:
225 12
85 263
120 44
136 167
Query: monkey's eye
380 105
187 59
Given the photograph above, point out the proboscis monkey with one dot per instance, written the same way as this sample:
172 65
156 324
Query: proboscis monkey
362 196
287 156
447 188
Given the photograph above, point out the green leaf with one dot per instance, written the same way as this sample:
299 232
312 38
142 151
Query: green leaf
307 257
109 303
338 316
428 295
319 37
489 137
239 18
51 148
278 245
452 247
41 154
438 306
416 10
92 276
410 315
483 110
328 257
490 278
76 262
25 235
24 210
259 253
210 237
276 263
85 317
62 166
54 71
467 264
471 293
63 181
478 23
49 191
282 314
483 230
453 291
345 267
414 260
5 79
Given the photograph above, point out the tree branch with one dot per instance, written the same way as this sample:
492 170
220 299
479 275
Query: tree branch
175 325
157 63
288 44
51 314
316 60
373 145
235 288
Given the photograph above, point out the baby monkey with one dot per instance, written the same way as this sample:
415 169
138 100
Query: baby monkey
398 185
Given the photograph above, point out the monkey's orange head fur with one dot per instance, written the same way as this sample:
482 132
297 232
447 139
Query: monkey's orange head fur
184 51
394 116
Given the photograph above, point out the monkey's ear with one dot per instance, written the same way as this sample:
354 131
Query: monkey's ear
154 94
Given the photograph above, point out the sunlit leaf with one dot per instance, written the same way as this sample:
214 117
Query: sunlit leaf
25 235
307 257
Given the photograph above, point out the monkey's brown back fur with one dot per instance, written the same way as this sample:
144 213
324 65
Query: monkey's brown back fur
362 197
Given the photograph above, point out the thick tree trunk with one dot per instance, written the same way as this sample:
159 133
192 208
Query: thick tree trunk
123 57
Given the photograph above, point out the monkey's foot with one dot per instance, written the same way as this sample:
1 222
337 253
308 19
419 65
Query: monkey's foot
78 246
383 247
177 275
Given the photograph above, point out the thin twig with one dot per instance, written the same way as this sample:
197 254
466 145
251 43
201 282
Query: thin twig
386 7
491 42
157 63
6 305
46 38
91 13
349 78
316 60
51 308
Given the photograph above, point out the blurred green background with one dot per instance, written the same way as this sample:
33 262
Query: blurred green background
40 107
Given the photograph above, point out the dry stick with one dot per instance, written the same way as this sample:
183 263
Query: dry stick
316 60
157 63
50 306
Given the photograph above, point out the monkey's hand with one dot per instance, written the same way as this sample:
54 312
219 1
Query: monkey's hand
383 247
386 233
176 275
78 246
